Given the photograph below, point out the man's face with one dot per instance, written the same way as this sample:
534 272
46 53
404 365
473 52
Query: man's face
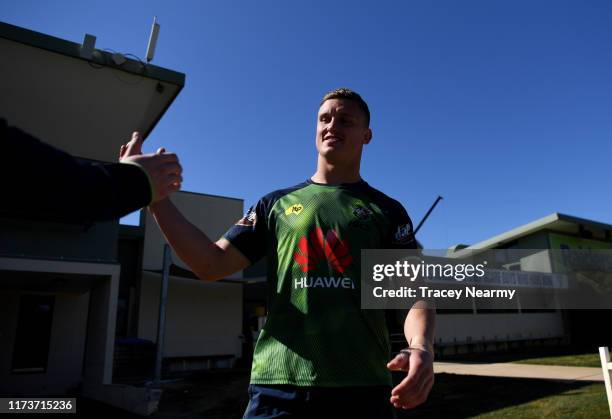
341 131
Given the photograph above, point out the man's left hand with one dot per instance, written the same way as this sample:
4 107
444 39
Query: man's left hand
414 389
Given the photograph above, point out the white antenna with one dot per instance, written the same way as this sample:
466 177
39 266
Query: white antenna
89 44
152 40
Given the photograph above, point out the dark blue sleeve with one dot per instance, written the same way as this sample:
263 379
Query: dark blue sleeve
47 183
248 235
401 234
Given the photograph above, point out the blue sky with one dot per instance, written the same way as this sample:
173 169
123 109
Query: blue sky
503 108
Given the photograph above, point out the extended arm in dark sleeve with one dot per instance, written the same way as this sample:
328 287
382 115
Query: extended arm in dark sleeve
49 184
248 235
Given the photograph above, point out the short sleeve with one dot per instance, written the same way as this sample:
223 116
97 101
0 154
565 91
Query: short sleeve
248 235
401 234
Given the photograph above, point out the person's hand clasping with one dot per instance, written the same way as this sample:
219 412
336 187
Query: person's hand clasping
414 389
163 168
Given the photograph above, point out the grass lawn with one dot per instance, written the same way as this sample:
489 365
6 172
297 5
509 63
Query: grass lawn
457 396
588 402
223 396
581 360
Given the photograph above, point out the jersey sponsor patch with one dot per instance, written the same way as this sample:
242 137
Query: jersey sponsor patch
403 234
323 282
319 247
249 219
294 209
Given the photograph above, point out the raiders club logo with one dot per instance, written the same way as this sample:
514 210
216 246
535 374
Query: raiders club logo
362 213
249 219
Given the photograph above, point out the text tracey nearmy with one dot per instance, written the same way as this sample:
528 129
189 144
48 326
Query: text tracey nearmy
426 292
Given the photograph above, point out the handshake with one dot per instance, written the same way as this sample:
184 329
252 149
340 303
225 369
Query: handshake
163 169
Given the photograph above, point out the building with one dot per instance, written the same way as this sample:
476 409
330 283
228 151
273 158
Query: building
59 282
69 291
204 326
484 329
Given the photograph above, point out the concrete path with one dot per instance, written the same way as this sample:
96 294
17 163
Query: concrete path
548 372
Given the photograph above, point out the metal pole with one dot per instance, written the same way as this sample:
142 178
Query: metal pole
438 199
161 323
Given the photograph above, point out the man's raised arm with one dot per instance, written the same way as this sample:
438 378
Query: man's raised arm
44 182
207 259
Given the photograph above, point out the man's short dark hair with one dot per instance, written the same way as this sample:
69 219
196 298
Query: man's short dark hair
344 93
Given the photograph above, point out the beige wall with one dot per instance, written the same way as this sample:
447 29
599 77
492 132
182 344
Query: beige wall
82 339
66 347
506 326
211 214
202 319
537 262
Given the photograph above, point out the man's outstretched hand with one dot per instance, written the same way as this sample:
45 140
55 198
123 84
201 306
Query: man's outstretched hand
163 168
414 389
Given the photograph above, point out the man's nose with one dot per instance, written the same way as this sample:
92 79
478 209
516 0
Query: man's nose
333 125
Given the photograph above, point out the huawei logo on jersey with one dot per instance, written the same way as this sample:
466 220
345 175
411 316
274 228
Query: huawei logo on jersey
319 247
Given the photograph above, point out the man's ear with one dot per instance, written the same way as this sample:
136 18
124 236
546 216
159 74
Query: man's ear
368 136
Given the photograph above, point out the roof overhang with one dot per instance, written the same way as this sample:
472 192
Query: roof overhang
555 222
86 106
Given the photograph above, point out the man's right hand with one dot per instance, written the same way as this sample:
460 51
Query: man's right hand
164 169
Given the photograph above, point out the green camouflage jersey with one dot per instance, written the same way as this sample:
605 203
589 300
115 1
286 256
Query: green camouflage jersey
316 334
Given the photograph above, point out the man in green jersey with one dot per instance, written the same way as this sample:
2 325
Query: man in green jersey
319 353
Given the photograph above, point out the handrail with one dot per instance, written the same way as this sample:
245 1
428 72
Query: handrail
606 367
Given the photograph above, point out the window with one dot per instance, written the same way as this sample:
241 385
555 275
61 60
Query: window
31 350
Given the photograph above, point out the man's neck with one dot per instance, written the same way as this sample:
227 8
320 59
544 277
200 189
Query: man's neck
334 174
